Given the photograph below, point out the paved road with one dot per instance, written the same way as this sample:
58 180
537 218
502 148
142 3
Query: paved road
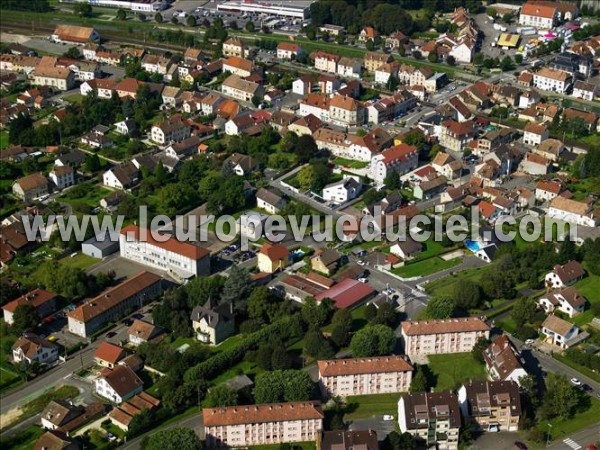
577 440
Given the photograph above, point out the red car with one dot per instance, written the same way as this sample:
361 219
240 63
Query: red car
49 319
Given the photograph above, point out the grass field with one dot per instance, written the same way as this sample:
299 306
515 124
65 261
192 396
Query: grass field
86 193
365 406
75 99
446 285
24 439
350 163
589 288
452 370
9 378
80 261
426 267
3 139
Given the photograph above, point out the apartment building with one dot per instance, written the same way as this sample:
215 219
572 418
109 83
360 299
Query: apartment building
61 78
455 135
372 60
548 79
173 129
238 66
428 337
537 15
364 376
114 303
163 252
400 159
241 89
324 61
234 46
433 417
494 405
44 303
345 111
271 423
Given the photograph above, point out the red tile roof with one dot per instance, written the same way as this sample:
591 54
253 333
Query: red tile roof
265 413
171 244
110 353
355 366
35 298
459 325
346 293
274 252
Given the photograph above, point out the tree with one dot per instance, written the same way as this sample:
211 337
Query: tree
142 17
591 254
385 315
220 396
73 53
523 311
567 251
263 305
83 9
401 50
158 18
25 319
255 100
440 308
467 295
507 64
306 148
560 399
432 57
191 21
283 385
370 45
316 345
419 382
175 439
250 27
491 12
518 58
121 14
373 340
392 180
451 60
236 288
311 34
174 20
417 54
397 441
92 164
507 18
280 359
306 177
478 349
313 314
342 326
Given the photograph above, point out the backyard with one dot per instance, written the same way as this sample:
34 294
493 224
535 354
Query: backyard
350 163
88 194
589 288
365 406
426 267
3 139
452 370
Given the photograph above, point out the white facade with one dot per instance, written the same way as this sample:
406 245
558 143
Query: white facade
343 191
62 178
136 6
547 83
587 220
43 355
463 53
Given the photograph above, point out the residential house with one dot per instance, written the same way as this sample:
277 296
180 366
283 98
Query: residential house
156 64
372 61
173 129
153 249
288 50
550 149
241 89
559 332
269 423
367 33
326 261
395 40
456 335
325 62
241 165
564 275
234 46
407 249
430 188
567 300
308 124
535 133
113 304
31 347
364 376
272 258
118 385
269 200
349 67
62 177
303 85
344 190
578 66
213 323
30 187
56 440
585 91
318 105
546 191
535 164
108 355
184 149
61 78
400 159
588 117
345 111
126 127
44 302
238 66
431 417
447 166
548 79
122 415
503 362
122 177
58 414
210 103
141 332
573 211
493 405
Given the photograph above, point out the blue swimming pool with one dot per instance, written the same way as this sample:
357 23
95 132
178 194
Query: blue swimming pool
473 245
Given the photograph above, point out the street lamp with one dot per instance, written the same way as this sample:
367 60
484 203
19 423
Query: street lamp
548 435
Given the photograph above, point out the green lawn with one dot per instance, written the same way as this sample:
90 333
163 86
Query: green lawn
452 370
446 285
365 406
3 139
80 261
589 288
75 98
426 267
9 378
350 163
85 193
592 139
562 428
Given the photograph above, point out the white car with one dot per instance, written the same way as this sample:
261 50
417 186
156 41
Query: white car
360 262
388 417
529 341
363 280
575 382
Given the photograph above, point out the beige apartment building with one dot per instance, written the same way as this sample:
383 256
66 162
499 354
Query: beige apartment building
494 405
270 423
363 376
433 417
234 46
428 337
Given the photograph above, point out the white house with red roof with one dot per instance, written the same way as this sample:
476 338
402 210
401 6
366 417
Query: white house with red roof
400 159
288 50
538 15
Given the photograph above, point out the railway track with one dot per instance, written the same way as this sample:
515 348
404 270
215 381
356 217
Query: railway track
111 36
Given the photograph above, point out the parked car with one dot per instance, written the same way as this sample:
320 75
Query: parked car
138 316
388 417
111 334
575 381
520 445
